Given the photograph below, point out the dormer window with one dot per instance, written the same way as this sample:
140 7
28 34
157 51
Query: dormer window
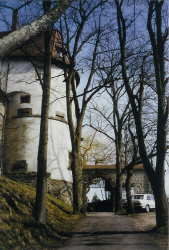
59 51
25 99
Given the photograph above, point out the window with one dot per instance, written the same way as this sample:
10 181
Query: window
25 99
19 166
24 112
139 197
148 198
59 51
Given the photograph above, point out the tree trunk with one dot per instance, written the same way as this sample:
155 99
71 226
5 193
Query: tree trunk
118 195
161 202
130 209
75 135
77 180
19 37
156 177
40 203
158 40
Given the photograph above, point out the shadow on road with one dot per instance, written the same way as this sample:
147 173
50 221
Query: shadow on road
110 232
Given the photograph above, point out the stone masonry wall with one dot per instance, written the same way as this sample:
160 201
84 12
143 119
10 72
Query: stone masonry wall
140 182
63 190
60 189
139 179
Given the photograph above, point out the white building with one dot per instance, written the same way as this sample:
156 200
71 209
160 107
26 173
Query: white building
20 81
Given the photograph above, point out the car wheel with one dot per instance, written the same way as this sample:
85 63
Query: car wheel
147 208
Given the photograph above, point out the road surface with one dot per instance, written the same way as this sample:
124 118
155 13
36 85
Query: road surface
107 231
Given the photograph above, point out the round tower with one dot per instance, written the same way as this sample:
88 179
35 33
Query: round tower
22 82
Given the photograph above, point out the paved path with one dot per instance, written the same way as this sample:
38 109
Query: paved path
107 231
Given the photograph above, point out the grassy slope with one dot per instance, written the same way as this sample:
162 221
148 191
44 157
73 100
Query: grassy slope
17 225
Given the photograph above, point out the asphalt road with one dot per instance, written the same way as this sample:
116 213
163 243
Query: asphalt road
107 231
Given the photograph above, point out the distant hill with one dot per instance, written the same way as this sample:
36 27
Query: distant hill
18 229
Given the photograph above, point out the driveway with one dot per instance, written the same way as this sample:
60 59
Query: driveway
107 231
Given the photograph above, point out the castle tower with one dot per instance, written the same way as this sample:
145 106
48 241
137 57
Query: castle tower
21 72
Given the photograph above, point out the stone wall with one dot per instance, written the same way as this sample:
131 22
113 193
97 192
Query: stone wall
63 190
140 182
60 189
139 179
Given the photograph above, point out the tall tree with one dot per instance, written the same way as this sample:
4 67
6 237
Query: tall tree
41 189
158 39
78 34
114 115
119 121
128 167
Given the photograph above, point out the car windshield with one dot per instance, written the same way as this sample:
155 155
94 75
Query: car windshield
140 197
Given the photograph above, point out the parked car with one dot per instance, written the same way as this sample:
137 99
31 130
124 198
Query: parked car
142 202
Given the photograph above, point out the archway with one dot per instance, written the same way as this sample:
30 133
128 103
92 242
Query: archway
99 196
101 183
140 181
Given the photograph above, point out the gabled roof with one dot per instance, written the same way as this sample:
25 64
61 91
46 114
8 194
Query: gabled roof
36 47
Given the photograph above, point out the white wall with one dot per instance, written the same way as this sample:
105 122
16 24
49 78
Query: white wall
21 81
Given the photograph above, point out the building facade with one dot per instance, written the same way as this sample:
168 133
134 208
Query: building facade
22 75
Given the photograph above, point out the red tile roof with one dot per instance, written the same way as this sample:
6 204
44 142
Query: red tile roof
36 47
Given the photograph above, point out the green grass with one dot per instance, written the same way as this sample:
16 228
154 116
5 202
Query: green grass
121 212
18 229
161 230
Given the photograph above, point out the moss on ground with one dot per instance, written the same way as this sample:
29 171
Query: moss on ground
18 229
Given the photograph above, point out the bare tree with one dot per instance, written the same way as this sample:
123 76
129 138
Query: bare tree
158 39
41 190
94 150
112 127
79 34
129 165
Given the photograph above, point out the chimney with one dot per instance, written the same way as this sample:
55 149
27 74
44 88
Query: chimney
15 20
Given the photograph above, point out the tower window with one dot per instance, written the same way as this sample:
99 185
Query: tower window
59 51
25 99
19 166
24 112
